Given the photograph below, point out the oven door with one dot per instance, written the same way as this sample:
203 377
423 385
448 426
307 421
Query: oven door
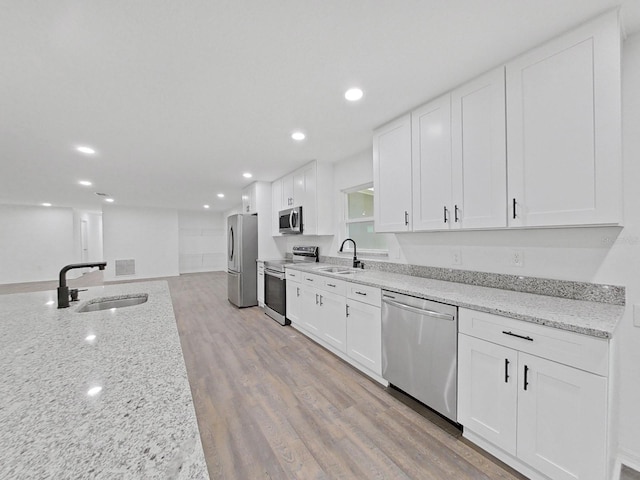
275 295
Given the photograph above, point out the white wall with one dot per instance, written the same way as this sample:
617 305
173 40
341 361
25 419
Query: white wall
147 235
35 242
202 242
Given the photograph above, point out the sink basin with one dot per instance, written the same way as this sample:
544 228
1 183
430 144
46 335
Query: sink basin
107 303
333 269
339 270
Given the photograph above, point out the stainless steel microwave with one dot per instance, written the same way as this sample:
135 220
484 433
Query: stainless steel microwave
291 220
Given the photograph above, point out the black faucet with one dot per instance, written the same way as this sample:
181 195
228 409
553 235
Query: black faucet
63 290
356 263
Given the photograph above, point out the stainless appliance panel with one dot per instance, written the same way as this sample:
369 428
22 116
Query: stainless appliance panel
419 350
275 295
241 258
234 287
290 221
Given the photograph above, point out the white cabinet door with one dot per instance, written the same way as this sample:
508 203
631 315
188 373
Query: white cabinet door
561 419
332 319
309 317
287 192
392 176
261 284
431 165
249 199
479 161
487 391
276 206
294 293
564 129
364 335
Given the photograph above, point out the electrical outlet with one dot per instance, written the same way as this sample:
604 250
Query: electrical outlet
456 258
636 315
517 258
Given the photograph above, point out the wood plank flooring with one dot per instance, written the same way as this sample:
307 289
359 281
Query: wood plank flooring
272 404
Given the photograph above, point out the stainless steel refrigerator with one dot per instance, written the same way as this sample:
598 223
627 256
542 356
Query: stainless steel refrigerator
242 244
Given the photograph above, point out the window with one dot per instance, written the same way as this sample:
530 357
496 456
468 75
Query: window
359 221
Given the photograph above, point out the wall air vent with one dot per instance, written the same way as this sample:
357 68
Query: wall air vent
125 267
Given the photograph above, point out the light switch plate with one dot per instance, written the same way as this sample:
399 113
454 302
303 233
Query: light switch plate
636 315
517 258
456 257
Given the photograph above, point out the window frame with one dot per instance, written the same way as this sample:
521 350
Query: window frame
347 221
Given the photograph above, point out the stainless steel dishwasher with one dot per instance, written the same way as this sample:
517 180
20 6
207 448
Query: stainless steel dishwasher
419 350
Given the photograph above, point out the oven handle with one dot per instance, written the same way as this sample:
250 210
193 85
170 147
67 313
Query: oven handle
274 273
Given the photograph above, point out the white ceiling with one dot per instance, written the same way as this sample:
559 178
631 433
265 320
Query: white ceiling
181 98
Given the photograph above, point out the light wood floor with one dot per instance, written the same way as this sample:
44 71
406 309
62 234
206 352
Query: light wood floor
272 404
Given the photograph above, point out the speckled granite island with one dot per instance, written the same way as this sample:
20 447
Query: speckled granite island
95 395
592 318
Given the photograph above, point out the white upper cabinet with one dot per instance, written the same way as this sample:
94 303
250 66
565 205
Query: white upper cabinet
249 199
392 176
431 165
479 162
564 124
309 187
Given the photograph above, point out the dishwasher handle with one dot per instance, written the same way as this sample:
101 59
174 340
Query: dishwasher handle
420 311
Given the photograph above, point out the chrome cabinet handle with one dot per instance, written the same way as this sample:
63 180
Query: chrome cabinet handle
455 214
297 291
320 300
506 370
360 293
406 217
514 208
347 309
316 299
526 375
446 219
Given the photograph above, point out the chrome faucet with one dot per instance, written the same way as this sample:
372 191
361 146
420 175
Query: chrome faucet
356 263
63 290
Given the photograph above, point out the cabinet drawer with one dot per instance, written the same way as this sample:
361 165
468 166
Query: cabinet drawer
293 275
364 293
573 349
332 285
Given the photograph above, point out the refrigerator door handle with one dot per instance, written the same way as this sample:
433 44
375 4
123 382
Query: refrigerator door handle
231 244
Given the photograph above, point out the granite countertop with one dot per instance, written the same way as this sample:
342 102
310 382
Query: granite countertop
141 424
589 318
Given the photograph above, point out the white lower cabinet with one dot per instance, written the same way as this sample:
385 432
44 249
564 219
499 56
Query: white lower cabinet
294 298
364 335
327 313
260 283
546 418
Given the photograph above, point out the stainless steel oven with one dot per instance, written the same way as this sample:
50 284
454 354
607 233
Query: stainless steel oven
290 220
275 294
275 284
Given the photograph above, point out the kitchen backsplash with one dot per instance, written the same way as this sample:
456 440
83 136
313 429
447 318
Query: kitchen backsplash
593 292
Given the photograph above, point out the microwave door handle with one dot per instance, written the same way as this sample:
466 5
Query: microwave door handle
291 219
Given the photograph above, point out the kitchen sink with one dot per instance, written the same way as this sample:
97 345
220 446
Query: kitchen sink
333 269
339 270
107 303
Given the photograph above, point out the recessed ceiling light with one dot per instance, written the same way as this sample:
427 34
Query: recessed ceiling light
247 175
353 94
94 391
86 150
45 204
205 206
221 195
110 200
298 136
86 183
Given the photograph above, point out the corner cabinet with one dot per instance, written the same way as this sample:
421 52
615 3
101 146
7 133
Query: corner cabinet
392 176
534 396
310 187
249 199
564 129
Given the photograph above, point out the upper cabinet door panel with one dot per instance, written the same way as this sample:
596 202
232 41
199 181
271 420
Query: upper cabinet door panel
392 176
431 157
479 156
563 113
